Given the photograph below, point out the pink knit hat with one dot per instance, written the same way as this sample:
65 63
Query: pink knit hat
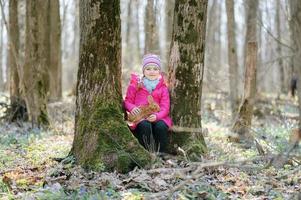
151 59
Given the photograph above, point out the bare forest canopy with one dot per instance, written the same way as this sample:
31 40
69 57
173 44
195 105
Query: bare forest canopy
274 38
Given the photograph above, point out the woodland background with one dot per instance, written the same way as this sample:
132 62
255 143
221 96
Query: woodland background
258 159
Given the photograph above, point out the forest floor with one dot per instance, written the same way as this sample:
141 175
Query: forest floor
29 167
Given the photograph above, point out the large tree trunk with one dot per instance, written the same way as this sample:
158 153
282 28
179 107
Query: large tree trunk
36 55
295 26
55 68
17 110
187 60
151 30
232 57
102 138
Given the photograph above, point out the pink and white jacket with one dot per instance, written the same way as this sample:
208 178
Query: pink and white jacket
137 94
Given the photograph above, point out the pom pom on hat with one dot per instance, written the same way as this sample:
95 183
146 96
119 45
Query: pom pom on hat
151 59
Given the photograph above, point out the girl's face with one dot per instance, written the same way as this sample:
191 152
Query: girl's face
151 72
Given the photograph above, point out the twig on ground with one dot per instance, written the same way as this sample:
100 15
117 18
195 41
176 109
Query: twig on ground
197 174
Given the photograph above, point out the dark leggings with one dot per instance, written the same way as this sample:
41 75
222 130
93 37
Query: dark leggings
153 136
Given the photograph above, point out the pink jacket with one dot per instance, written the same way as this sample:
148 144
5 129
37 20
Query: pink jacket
136 96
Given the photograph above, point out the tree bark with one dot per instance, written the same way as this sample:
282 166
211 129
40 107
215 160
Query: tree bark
187 60
55 65
35 69
244 119
151 30
251 34
232 57
102 139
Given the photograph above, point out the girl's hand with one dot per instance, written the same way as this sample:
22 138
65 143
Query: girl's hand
152 118
135 111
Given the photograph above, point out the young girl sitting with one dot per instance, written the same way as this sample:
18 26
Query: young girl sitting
151 131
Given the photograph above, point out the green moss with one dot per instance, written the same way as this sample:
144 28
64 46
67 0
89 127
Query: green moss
43 118
201 15
194 147
124 163
103 137
191 35
192 3
180 20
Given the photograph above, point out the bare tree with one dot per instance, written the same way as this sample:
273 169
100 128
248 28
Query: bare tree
245 113
283 82
55 55
17 110
232 57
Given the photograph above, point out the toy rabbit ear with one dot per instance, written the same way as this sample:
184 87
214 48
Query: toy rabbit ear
150 99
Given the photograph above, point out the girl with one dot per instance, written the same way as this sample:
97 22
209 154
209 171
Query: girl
151 132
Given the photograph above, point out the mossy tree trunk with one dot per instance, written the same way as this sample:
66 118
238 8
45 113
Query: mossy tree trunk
295 26
186 74
17 110
55 65
232 58
151 29
35 72
102 139
244 118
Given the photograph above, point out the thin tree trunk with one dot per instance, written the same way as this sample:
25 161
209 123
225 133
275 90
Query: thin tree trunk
151 30
35 68
128 22
17 110
169 10
137 32
244 119
187 60
232 57
283 85
211 69
251 34
55 67
102 140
